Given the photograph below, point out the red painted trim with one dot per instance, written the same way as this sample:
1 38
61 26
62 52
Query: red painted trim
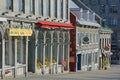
44 24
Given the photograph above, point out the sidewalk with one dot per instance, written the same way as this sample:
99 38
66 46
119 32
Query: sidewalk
112 73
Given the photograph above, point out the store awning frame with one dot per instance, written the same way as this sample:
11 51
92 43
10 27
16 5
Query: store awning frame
55 25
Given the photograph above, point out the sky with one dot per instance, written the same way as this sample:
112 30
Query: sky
73 5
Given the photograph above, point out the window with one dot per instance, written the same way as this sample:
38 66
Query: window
67 9
9 4
78 39
90 37
82 36
61 7
89 59
31 9
40 7
47 7
21 50
97 38
96 58
93 2
102 8
21 5
113 9
55 8
112 22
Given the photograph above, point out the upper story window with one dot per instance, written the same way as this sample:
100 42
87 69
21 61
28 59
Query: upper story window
112 22
78 39
102 8
90 37
67 8
113 9
61 7
93 2
55 8
21 5
9 4
31 8
40 7
97 39
47 7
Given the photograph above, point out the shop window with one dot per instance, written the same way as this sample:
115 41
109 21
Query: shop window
89 59
21 5
40 7
113 9
86 57
0 51
48 49
21 50
55 40
9 50
66 46
83 59
60 47
96 58
9 4
40 48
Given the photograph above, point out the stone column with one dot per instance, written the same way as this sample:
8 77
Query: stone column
3 58
44 52
15 58
63 50
51 54
26 70
58 45
35 55
68 50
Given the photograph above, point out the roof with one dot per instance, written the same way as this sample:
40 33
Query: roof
88 23
106 29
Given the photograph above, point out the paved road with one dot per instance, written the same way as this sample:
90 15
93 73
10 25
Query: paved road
112 73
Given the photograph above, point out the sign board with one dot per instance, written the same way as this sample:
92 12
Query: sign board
20 32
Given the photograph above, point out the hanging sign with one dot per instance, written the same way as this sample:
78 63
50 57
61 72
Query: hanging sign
20 32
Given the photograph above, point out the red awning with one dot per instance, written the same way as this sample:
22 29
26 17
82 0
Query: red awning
54 25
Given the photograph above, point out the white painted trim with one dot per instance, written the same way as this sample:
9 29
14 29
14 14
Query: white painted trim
3 19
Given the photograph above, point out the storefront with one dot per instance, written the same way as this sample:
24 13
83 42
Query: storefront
52 41
14 49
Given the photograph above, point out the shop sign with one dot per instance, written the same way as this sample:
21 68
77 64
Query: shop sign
20 32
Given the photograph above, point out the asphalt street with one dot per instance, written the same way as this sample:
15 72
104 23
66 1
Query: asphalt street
112 73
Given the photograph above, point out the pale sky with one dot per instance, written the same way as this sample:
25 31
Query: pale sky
73 5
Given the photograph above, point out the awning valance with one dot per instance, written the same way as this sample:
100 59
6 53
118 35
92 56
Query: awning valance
44 24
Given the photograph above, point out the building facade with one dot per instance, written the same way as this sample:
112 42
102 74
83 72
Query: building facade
34 36
109 10
105 46
87 39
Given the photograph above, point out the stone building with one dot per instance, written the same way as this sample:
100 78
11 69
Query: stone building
105 46
86 38
34 36
108 9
